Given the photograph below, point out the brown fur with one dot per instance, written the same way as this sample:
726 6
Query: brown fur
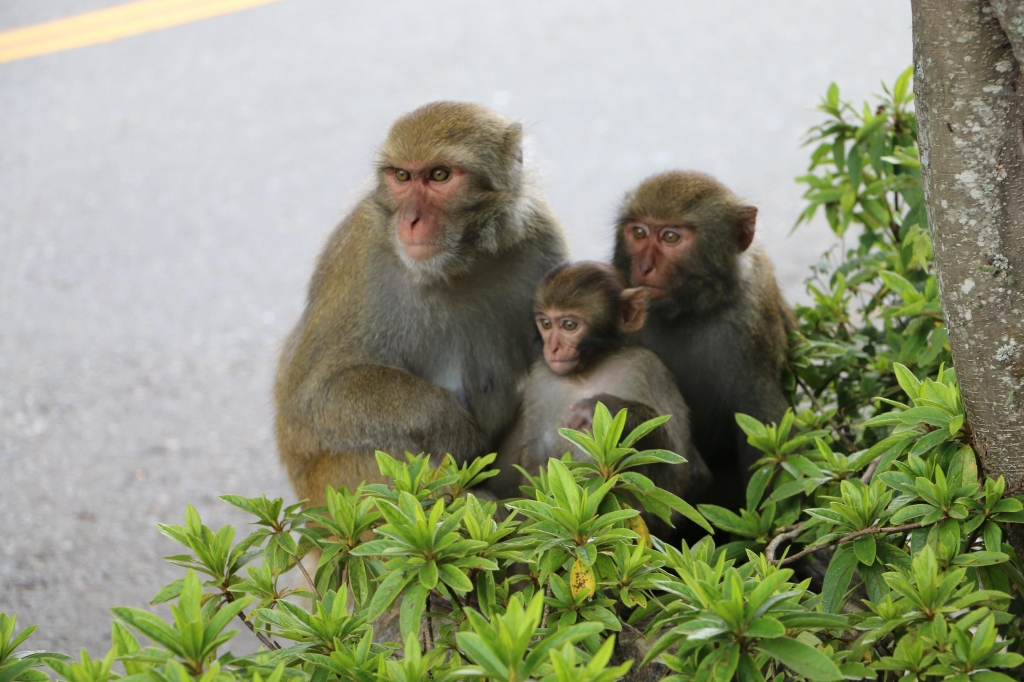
424 356
620 374
592 288
723 329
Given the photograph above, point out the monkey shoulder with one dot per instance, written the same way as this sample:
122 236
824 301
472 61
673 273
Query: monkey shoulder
637 365
351 245
761 310
632 373
326 337
650 382
543 243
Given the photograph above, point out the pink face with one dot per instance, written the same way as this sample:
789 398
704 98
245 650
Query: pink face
423 192
656 248
562 333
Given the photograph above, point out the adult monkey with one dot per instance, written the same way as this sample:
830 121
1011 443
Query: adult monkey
715 316
417 328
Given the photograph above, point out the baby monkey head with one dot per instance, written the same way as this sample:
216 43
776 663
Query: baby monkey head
584 312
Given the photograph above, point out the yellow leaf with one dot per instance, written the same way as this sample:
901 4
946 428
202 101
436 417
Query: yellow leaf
581 579
637 525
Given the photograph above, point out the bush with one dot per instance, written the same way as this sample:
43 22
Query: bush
868 487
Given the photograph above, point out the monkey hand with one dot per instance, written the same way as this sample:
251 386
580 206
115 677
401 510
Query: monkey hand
581 415
384 408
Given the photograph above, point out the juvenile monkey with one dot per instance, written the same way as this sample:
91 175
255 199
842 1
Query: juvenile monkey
415 335
588 319
716 317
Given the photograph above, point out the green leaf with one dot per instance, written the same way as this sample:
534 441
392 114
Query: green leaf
428 574
747 670
481 653
12 670
902 85
758 483
766 627
455 578
837 577
802 659
721 665
168 592
910 384
151 626
812 619
387 591
723 518
864 548
642 430
414 601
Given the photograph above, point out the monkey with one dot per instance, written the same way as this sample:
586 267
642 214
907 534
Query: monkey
414 336
588 321
715 318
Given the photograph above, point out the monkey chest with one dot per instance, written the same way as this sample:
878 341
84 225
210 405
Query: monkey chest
549 399
706 361
483 370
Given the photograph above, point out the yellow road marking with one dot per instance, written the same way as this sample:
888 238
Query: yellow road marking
112 23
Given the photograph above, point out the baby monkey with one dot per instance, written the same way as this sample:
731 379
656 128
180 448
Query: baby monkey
588 320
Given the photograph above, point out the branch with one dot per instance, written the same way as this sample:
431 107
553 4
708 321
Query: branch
853 536
547 609
769 551
309 581
428 634
895 229
817 406
870 471
267 642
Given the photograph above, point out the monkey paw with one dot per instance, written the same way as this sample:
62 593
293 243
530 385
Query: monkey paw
581 417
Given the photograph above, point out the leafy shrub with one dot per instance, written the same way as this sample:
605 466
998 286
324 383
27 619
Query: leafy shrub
869 488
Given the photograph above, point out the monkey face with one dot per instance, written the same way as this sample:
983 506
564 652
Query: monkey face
424 194
657 249
562 333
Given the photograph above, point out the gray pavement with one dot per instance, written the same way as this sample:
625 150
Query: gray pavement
162 199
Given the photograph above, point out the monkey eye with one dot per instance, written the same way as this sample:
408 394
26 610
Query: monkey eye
544 322
670 237
570 325
639 232
440 174
402 175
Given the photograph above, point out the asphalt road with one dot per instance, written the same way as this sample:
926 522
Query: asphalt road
162 199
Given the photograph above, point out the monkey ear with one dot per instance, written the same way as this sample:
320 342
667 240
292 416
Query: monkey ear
634 309
748 216
514 141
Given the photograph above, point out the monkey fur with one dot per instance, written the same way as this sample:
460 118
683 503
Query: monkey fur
720 324
613 369
419 353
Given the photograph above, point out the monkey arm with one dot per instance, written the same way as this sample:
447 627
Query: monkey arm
510 451
636 414
374 407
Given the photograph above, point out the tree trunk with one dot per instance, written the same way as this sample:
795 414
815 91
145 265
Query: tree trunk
970 101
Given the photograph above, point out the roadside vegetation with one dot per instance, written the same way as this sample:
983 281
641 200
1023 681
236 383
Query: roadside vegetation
871 546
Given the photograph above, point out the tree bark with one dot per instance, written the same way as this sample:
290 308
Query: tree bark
970 108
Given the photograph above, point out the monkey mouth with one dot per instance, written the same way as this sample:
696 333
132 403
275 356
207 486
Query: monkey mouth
421 251
563 365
